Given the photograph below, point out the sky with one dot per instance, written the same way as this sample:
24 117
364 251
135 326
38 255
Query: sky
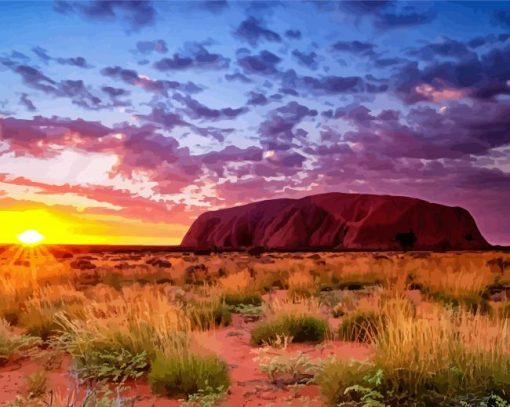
122 121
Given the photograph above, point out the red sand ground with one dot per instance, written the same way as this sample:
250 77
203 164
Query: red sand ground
249 387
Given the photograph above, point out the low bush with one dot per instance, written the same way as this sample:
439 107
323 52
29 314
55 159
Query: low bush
112 364
284 368
187 374
301 328
247 310
337 377
242 298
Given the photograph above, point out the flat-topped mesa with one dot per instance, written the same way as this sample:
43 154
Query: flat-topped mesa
337 221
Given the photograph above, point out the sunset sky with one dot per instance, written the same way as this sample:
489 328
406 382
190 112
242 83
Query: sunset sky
121 122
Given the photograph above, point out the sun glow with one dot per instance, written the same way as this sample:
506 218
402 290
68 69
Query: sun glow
30 237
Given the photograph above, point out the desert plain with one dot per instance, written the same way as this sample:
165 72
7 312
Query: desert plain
111 326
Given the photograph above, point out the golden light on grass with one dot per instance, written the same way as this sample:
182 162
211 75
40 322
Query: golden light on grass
30 237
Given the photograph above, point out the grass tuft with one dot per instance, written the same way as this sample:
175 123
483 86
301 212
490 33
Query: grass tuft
301 328
187 374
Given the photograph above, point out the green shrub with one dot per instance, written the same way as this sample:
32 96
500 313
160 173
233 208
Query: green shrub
110 363
187 374
361 326
302 328
242 298
208 397
336 378
247 310
351 383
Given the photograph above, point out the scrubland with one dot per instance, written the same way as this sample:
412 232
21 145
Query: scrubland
281 329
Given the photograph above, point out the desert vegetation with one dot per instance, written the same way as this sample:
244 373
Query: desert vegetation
205 329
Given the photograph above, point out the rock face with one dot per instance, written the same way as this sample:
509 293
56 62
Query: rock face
337 221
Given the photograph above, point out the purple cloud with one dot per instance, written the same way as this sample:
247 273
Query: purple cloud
136 13
253 31
148 47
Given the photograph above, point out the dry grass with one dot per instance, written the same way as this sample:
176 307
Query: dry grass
137 314
236 282
447 351
301 284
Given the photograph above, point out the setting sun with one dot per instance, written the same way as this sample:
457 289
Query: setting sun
30 237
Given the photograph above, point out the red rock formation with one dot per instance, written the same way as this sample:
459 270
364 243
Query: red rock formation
337 221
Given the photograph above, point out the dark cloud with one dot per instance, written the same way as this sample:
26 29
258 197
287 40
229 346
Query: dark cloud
136 13
79 62
363 7
42 54
257 99
75 90
219 134
115 95
355 47
176 62
293 34
195 55
148 47
80 94
264 63
502 17
404 19
34 136
278 130
237 77
27 102
484 76
214 6
35 79
196 110
477 42
151 85
160 115
446 48
216 160
425 133
334 84
252 30
114 92
306 59
388 14
388 62
74 61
